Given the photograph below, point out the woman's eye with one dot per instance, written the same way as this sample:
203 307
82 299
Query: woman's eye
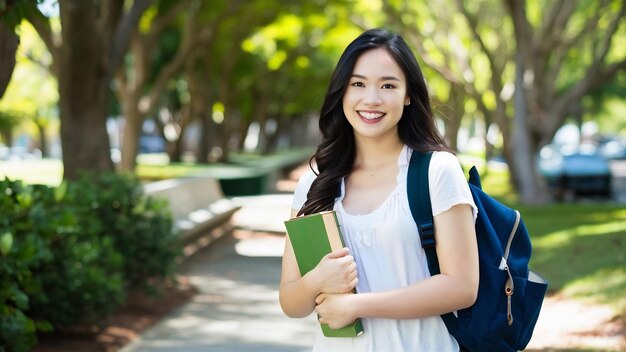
357 84
388 86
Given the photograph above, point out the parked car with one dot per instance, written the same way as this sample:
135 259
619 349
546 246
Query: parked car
575 170
151 144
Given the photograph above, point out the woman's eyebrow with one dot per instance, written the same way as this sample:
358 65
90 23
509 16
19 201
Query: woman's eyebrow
384 78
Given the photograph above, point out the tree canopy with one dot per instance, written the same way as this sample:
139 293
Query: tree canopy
522 68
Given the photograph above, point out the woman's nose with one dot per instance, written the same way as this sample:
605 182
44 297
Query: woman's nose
371 97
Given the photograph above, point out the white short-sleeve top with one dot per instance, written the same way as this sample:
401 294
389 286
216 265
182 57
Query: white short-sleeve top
387 250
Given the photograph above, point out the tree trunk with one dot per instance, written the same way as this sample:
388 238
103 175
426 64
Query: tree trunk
176 147
130 138
228 124
6 135
93 40
203 147
43 142
223 138
83 89
129 96
526 174
8 48
453 113
244 130
272 141
200 104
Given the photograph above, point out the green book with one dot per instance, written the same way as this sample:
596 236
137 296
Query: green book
312 237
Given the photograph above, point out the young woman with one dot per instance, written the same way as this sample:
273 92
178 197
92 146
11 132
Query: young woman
376 112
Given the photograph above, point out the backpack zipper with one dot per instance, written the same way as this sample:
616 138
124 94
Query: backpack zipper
509 286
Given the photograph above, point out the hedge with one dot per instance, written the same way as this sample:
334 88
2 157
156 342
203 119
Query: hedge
70 254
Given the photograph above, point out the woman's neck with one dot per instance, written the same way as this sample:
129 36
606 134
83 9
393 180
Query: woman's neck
373 155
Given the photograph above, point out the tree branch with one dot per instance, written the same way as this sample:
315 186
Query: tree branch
161 21
607 75
496 71
42 26
417 40
495 77
548 37
549 19
605 44
194 33
560 52
147 103
123 32
584 86
522 28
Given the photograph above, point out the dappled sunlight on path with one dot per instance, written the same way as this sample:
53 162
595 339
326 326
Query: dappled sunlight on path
237 306
568 324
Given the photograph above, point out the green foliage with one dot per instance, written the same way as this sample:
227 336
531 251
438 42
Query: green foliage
139 227
12 12
82 280
32 93
69 255
16 329
9 120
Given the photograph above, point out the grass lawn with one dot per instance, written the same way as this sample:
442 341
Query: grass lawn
157 167
50 171
45 171
580 248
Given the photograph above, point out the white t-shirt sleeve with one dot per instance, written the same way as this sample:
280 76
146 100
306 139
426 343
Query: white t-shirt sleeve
448 185
302 189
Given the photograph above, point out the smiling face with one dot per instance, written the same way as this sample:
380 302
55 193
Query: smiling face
376 95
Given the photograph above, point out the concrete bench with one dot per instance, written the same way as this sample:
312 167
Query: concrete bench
198 206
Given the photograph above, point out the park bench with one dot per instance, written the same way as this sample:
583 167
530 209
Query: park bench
200 211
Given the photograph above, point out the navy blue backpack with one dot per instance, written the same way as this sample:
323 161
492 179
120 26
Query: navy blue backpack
509 294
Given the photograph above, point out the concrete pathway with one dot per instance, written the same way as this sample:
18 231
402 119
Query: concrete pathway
237 306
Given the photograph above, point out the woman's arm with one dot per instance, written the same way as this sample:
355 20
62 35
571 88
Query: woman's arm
455 288
336 273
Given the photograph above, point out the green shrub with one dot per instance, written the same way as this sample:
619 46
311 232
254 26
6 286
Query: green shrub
139 226
20 251
59 270
83 281
68 255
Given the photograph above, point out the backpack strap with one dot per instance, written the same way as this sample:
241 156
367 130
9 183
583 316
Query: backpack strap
418 192
421 209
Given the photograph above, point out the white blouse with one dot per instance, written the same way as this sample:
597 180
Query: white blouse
387 250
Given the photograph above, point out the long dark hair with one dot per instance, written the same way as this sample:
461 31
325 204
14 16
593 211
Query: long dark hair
336 152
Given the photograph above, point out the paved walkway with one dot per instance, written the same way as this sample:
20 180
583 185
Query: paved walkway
237 306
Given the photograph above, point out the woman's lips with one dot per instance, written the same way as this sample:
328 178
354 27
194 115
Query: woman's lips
371 116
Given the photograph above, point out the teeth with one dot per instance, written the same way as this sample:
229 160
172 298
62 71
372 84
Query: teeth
371 115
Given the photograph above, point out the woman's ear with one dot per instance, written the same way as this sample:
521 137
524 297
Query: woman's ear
407 101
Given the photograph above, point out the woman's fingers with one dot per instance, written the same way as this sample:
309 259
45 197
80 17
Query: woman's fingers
342 252
319 299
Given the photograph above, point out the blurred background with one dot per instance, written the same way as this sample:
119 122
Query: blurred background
532 91
198 80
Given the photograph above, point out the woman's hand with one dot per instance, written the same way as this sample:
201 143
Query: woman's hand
336 272
335 309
